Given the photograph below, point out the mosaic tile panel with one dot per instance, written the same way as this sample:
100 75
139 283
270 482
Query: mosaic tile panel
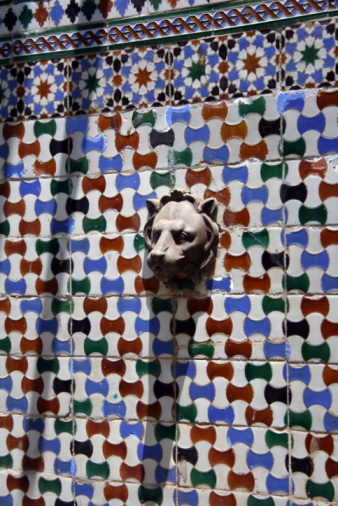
30 90
309 55
185 72
119 80
113 387
237 458
225 67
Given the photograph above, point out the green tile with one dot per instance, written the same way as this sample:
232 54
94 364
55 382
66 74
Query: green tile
152 495
297 147
26 16
64 186
159 305
254 501
207 478
84 407
4 228
88 8
271 304
98 470
53 486
5 344
180 157
52 247
321 352
6 461
256 107
273 438
139 243
270 171
79 286
157 179
324 490
89 225
299 419
260 238
62 306
195 348
165 432
48 365
315 214
253 372
99 347
46 127
186 412
81 166
61 426
153 368
301 283
145 118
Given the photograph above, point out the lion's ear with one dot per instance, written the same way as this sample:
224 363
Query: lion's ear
153 206
209 207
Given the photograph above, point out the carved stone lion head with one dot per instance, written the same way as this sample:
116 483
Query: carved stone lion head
181 234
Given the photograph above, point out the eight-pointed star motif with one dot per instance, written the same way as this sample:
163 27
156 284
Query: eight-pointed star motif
251 63
92 83
142 77
310 54
196 71
44 89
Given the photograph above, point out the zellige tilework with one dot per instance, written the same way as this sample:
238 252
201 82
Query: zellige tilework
115 388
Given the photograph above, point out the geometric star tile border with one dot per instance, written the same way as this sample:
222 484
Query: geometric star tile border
217 68
50 27
309 54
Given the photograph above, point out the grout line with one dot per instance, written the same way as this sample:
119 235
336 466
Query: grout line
285 293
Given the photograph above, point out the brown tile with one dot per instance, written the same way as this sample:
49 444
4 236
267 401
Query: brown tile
193 177
113 367
124 346
107 325
203 434
311 305
149 160
235 349
116 450
264 416
129 264
241 481
211 111
116 492
92 305
93 427
226 458
93 184
307 168
215 370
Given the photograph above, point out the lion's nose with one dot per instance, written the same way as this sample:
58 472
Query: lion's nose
157 257
161 248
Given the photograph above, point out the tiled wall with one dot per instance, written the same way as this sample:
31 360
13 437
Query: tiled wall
115 389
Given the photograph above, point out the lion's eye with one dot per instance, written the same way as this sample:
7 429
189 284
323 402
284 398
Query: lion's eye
155 236
181 237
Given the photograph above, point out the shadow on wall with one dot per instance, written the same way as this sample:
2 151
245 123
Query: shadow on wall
59 351
54 369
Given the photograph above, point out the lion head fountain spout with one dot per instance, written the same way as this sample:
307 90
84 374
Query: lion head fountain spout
181 234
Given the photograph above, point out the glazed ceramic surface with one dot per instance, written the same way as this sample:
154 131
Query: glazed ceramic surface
115 388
